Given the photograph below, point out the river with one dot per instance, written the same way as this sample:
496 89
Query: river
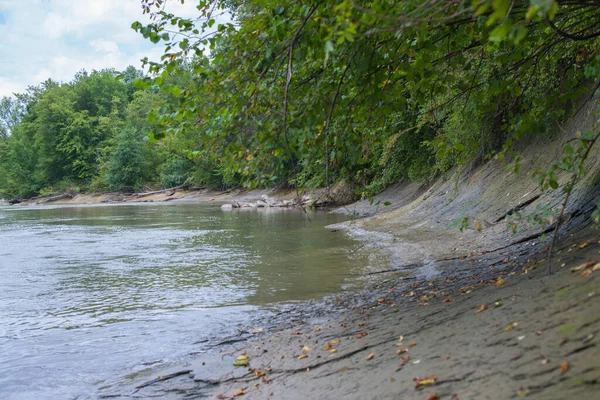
90 295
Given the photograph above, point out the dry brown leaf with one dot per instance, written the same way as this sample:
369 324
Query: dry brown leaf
259 373
240 392
300 357
500 282
370 356
406 359
564 367
448 299
401 351
327 348
429 380
333 351
306 349
412 344
433 397
584 266
222 397
360 335
482 308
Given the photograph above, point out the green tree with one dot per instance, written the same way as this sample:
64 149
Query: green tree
128 166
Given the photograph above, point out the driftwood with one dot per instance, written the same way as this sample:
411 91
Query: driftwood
173 189
67 195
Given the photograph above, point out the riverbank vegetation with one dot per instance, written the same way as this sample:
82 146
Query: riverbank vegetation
312 93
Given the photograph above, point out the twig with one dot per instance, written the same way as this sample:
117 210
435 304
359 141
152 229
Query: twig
571 185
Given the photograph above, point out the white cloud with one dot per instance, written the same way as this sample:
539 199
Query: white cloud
56 38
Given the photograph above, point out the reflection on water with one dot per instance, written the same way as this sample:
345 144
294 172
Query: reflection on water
87 293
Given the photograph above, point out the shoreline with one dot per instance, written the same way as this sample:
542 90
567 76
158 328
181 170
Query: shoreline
515 346
478 315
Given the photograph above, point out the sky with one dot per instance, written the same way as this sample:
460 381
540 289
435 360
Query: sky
41 39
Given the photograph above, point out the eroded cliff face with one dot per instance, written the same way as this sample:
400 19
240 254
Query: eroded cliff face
423 223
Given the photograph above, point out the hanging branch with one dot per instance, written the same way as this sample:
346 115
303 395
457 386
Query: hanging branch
286 90
330 116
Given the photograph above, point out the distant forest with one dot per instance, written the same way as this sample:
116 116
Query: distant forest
90 134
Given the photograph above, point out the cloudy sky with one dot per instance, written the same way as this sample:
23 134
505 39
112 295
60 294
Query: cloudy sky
43 39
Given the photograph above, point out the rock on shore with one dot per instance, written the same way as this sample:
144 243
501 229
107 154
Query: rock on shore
271 202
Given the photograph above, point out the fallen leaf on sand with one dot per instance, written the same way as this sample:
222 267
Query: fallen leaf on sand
328 347
482 308
306 349
334 342
406 359
500 281
240 392
242 358
222 397
448 299
522 392
511 326
370 356
584 266
412 344
361 334
564 367
318 329
257 330
300 357
401 351
425 381
296 333
333 351
433 397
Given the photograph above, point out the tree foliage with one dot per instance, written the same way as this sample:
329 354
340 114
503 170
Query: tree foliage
87 133
368 91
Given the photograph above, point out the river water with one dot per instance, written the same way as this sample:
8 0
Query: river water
91 294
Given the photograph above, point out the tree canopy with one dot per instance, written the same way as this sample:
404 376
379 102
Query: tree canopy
367 91
280 92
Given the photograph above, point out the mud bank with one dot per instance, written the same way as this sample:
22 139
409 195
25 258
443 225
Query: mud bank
497 329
